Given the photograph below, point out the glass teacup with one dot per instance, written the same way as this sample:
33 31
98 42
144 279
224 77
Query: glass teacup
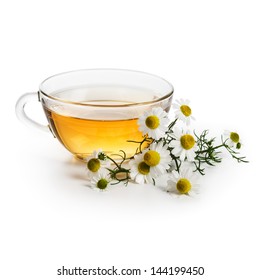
96 109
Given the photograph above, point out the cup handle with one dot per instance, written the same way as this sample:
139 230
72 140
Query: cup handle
21 115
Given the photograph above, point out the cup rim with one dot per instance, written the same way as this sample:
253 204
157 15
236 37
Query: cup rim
169 94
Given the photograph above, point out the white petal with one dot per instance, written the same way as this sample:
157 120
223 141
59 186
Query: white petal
140 179
182 155
177 149
190 155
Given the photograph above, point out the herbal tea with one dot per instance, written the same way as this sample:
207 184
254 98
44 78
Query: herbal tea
83 136
86 130
94 109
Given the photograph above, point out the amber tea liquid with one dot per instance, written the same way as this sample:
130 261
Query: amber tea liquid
82 135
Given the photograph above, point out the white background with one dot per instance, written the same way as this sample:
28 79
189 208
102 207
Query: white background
209 51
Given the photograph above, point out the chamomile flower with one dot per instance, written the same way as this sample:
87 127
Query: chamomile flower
158 158
232 139
140 171
95 164
101 180
184 182
183 111
184 145
154 123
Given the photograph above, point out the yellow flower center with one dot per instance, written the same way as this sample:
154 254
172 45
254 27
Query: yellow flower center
143 168
234 137
102 184
152 158
187 141
94 164
183 186
186 110
152 122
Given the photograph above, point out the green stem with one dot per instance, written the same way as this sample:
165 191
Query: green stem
172 124
116 164
213 149
146 139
